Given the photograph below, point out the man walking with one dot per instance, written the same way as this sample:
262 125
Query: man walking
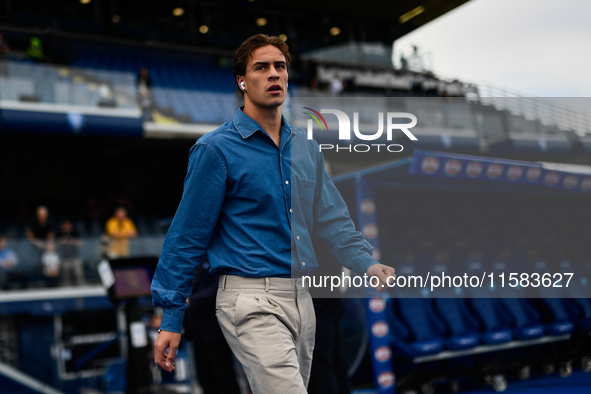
255 192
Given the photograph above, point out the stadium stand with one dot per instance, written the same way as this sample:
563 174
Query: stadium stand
500 333
489 229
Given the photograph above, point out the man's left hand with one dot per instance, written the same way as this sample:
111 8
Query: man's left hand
382 272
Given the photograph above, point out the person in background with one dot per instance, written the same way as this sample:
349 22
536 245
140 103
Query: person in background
3 54
120 228
103 248
51 264
144 79
144 85
69 249
40 230
329 370
35 49
40 233
8 260
336 86
4 48
213 358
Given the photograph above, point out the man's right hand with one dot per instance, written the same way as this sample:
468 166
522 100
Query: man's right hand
382 272
166 340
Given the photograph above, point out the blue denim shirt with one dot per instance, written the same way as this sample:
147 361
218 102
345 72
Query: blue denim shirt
240 206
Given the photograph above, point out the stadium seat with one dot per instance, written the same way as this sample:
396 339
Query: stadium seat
461 326
402 339
551 305
526 320
493 317
427 329
177 81
578 305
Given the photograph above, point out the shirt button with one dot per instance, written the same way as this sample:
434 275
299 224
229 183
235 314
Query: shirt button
303 263
298 237
290 210
287 182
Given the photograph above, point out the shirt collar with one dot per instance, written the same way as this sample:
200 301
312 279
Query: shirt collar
246 126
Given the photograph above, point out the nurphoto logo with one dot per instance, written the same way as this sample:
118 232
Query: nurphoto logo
345 130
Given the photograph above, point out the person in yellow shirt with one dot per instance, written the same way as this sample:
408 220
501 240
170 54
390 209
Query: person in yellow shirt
120 229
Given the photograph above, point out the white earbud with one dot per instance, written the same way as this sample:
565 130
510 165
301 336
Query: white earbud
242 85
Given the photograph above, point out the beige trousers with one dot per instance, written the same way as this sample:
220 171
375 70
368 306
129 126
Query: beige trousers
270 326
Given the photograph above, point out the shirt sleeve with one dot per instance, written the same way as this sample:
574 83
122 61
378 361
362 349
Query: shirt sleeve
110 227
189 234
333 224
130 227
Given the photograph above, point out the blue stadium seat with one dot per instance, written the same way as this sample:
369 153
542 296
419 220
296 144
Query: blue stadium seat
493 317
579 304
525 319
554 311
461 327
402 339
427 331
418 315
558 320
183 76
579 310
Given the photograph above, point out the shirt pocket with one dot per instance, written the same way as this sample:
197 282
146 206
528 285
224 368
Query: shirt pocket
308 184
306 197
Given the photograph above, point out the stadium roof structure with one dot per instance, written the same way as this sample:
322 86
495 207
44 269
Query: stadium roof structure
223 25
397 12
367 21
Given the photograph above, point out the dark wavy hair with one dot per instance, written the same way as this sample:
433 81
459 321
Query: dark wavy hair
245 50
